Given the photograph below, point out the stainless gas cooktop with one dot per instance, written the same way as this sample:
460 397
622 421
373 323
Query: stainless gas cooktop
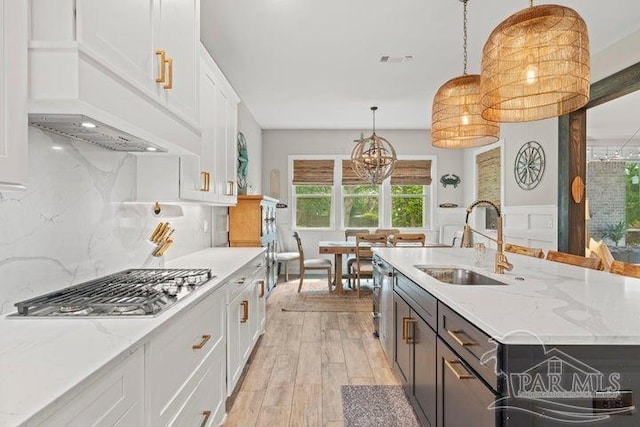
134 292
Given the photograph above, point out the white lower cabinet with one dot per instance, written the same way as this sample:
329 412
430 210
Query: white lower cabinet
178 360
116 399
245 317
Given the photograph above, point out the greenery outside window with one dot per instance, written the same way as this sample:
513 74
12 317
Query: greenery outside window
313 206
361 206
408 204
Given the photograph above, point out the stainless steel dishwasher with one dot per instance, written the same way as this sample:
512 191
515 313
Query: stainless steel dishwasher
383 278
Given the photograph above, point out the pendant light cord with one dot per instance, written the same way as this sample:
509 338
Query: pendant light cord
530 3
373 110
464 36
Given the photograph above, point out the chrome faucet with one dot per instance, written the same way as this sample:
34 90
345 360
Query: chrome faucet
501 263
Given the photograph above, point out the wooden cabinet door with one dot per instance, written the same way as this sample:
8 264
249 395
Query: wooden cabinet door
403 350
119 33
13 94
463 399
424 388
178 34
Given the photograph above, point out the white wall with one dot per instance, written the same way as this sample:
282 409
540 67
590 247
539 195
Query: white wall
279 144
618 56
248 125
71 225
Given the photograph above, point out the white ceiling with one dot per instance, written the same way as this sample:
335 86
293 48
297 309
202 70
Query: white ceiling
310 64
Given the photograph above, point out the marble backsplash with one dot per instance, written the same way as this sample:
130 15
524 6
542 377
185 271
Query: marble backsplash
71 224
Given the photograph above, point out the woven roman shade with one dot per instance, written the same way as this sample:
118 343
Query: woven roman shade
489 175
349 175
411 172
313 172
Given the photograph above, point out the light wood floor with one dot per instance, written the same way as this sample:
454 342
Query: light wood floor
304 358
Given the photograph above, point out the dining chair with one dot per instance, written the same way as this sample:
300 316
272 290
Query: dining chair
580 261
351 258
312 264
625 269
387 231
408 239
524 250
364 255
284 257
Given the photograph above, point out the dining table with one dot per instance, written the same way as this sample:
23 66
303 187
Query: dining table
339 248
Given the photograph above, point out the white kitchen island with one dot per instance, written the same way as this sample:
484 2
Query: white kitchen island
554 344
48 363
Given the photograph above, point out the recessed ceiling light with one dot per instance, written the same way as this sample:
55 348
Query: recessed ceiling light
88 125
152 149
56 147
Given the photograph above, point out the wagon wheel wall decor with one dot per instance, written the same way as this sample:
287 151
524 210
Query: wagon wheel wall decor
529 165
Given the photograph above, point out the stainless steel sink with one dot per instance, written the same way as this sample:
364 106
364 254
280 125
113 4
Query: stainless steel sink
458 276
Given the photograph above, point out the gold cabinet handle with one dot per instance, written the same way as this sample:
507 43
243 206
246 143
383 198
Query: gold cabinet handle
409 339
169 83
456 338
466 375
261 289
202 342
205 415
404 328
206 181
161 66
245 311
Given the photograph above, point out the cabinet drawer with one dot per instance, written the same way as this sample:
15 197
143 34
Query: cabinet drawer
463 399
255 268
205 406
421 301
173 356
468 341
116 399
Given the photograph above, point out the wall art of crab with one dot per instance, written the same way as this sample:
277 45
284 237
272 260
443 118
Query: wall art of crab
450 179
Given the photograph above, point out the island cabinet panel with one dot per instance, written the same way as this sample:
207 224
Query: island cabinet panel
415 348
463 398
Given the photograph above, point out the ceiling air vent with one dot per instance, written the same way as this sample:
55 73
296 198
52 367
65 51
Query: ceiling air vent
396 59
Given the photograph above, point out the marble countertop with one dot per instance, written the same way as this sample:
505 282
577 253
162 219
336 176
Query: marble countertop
46 361
555 303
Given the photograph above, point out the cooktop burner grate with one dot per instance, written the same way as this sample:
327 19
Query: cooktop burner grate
127 293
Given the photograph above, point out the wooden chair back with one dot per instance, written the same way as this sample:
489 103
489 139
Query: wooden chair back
408 239
387 231
625 269
364 243
300 250
524 250
580 261
353 232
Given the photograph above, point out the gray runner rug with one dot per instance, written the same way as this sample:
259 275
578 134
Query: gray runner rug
377 406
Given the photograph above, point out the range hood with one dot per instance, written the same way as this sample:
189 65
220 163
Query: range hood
85 129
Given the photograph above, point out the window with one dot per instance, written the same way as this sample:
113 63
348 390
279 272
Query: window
318 202
410 182
313 193
360 200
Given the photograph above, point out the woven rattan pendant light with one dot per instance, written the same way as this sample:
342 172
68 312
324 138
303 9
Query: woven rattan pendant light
373 158
456 116
535 65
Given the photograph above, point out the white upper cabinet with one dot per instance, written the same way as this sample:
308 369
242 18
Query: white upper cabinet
13 94
131 64
178 30
120 32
